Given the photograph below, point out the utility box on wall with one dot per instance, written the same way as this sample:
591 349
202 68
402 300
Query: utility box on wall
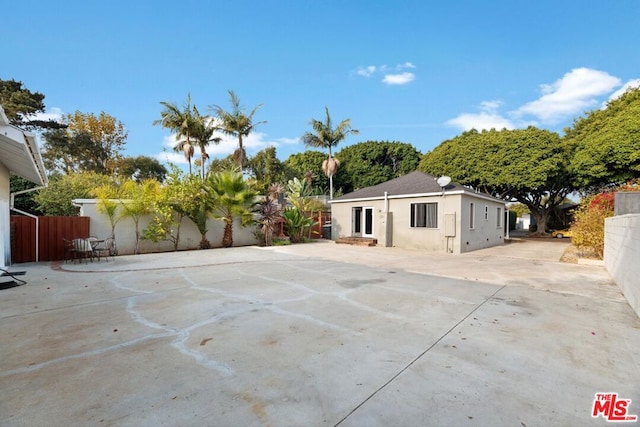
450 225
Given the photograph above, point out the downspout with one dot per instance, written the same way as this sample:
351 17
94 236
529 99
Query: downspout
11 208
386 202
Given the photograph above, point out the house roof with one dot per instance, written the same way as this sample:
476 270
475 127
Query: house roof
19 152
410 185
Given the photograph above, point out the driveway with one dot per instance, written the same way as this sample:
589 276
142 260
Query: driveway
316 334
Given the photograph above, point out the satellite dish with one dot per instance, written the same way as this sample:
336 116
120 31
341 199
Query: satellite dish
443 181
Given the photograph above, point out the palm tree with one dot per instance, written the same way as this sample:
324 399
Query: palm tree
182 122
231 197
237 123
203 135
325 136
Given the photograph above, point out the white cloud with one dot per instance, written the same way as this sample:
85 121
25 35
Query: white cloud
570 95
391 75
405 65
366 71
53 113
479 121
488 118
399 79
617 94
253 143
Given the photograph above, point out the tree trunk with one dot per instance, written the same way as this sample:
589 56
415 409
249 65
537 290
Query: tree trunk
204 242
227 238
542 217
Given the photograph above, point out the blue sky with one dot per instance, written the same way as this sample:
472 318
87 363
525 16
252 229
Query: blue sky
418 72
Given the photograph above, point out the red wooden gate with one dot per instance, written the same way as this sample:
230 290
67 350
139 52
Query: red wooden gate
52 229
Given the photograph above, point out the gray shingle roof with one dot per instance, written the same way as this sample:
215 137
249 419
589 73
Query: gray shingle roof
413 183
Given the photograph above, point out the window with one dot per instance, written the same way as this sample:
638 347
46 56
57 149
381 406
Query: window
472 215
424 215
486 213
499 219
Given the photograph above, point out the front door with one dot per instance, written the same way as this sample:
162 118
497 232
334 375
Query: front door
356 221
368 222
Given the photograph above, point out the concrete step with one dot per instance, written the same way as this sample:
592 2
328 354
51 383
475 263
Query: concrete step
357 241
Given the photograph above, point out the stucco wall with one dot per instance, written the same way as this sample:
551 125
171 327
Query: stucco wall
486 232
189 234
622 255
5 239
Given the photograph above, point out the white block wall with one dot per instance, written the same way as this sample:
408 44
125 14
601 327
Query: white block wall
622 255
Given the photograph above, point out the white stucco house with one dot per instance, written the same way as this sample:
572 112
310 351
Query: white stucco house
414 211
19 154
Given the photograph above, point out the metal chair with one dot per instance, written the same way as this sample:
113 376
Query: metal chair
69 250
83 249
106 249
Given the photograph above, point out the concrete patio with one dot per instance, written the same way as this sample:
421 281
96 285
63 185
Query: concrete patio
317 334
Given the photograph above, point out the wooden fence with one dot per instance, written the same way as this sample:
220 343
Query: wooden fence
52 229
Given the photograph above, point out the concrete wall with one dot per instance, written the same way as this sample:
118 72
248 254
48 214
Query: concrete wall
5 225
627 202
189 234
622 255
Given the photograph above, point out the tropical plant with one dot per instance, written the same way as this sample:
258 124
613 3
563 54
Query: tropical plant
183 123
137 201
108 205
231 197
325 136
203 134
297 224
171 204
269 213
237 123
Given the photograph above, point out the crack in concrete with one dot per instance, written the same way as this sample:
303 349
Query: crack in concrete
401 371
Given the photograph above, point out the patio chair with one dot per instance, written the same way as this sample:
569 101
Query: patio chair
69 250
83 249
106 249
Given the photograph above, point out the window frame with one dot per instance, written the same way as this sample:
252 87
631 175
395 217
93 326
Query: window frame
430 211
472 214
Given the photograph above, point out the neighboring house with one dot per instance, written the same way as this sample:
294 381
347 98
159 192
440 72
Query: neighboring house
414 211
19 154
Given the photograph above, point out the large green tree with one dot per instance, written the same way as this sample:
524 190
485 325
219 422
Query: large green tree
308 165
266 168
324 135
89 143
140 168
372 162
237 123
607 143
56 198
21 104
526 165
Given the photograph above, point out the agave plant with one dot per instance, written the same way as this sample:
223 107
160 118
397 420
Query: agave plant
296 223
